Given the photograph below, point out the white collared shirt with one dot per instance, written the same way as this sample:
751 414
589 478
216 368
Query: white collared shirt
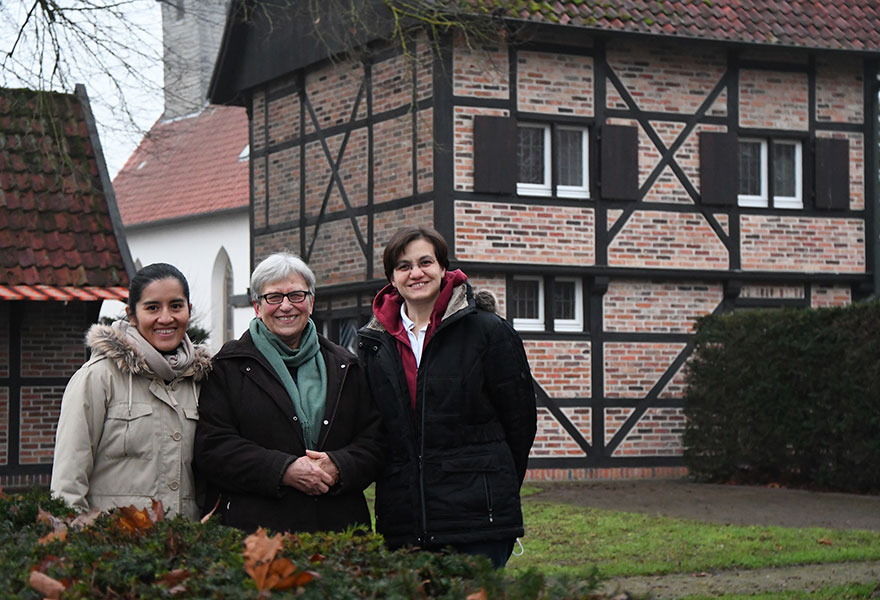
416 339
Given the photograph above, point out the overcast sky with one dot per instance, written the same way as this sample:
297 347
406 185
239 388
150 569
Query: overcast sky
134 35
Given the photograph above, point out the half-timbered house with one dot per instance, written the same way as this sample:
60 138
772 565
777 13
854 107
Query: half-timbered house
611 171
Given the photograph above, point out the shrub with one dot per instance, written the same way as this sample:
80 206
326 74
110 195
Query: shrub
47 551
787 396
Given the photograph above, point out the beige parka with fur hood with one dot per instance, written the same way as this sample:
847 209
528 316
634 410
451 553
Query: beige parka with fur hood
125 437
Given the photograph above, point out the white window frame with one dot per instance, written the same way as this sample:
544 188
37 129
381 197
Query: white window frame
796 201
583 190
531 324
576 324
538 189
763 200
751 200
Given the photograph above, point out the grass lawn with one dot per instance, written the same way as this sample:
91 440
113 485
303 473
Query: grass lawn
562 539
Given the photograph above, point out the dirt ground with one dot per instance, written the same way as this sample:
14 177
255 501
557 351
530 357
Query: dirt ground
737 505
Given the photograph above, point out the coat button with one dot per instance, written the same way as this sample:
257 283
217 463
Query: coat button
341 366
294 418
174 485
375 348
248 369
326 422
176 436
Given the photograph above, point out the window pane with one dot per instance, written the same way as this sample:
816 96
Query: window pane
750 168
530 154
564 300
524 299
571 157
784 170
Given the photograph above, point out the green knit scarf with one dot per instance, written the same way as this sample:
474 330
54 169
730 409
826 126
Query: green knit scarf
309 391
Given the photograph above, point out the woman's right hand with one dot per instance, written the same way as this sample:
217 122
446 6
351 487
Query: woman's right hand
305 475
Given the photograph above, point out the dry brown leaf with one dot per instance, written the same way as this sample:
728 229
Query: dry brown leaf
85 519
259 550
47 586
54 535
172 578
211 513
158 512
826 541
481 595
134 520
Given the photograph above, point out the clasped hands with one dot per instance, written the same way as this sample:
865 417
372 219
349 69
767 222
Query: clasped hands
312 474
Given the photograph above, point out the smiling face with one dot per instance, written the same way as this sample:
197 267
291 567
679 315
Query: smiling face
417 274
162 314
286 320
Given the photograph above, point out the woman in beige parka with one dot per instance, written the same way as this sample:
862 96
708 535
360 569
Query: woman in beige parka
129 414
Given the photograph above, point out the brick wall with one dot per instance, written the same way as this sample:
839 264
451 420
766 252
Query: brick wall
802 244
667 240
632 369
657 433
826 296
561 368
40 408
656 306
481 72
551 83
667 78
515 233
839 91
773 100
51 349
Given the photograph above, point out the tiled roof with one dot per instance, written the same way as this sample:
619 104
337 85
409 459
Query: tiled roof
55 219
827 24
186 167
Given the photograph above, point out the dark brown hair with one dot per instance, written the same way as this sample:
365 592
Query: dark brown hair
401 239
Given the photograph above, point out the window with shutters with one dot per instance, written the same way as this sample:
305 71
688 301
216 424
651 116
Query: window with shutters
770 173
552 160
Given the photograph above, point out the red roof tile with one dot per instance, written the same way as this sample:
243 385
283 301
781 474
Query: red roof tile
55 220
828 24
186 167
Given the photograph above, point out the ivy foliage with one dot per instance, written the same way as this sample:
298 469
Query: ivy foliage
46 551
787 396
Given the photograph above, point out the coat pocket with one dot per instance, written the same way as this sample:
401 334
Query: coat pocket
128 433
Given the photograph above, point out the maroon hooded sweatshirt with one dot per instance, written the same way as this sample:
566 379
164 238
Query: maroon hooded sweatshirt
386 307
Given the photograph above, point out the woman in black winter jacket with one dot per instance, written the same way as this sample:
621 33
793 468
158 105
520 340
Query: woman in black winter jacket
454 388
288 436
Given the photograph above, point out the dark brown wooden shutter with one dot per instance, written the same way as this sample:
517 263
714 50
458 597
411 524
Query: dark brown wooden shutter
719 168
494 155
832 173
620 162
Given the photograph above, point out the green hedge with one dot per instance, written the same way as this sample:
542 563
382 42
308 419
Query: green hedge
789 396
126 554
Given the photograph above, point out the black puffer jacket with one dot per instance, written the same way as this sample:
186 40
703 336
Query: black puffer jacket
249 433
456 463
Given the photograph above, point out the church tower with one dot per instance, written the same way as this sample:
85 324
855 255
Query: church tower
191 31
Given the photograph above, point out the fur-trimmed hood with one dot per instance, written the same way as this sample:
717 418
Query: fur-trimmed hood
108 341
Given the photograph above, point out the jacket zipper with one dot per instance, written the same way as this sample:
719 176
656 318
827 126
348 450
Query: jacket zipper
489 503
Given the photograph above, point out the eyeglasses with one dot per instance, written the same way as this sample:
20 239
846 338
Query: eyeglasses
295 297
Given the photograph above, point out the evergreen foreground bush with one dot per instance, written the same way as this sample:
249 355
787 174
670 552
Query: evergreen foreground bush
48 552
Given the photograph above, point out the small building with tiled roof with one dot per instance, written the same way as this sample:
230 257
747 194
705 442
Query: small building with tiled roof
62 253
611 170
183 194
